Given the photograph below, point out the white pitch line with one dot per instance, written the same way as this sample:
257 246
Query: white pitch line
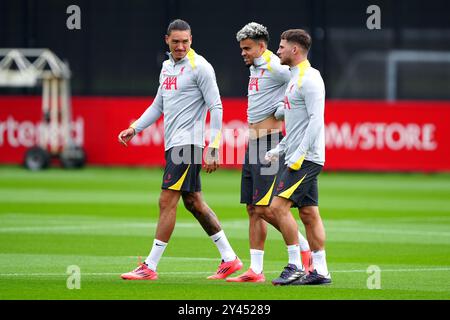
396 270
94 226
187 225
207 272
197 259
389 231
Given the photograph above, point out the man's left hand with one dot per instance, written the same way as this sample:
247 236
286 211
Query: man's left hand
212 160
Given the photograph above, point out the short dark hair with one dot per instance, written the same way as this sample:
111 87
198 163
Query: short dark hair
179 25
298 36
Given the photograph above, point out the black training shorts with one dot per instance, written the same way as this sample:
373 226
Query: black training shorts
300 186
182 171
259 176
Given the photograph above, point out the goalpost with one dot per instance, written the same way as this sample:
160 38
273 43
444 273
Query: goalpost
30 68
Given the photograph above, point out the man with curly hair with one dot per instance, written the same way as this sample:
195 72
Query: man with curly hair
265 112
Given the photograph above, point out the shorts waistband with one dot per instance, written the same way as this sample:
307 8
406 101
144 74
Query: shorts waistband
269 138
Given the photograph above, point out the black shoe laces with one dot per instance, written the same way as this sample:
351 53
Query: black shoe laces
288 270
313 276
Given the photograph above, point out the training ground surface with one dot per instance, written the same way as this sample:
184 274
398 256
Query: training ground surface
102 219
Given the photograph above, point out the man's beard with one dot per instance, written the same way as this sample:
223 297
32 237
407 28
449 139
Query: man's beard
285 61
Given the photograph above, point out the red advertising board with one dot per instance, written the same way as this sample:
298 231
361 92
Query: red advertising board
360 135
401 136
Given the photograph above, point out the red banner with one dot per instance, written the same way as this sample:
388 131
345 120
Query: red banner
401 136
360 135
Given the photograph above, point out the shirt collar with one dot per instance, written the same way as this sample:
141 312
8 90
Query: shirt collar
302 65
258 62
172 60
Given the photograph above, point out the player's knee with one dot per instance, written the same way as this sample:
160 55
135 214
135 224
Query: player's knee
251 210
261 211
165 202
267 214
276 211
280 213
192 203
308 214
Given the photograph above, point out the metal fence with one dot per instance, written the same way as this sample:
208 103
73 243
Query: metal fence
120 46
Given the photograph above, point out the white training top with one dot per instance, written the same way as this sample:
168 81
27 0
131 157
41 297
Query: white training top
304 116
187 89
266 87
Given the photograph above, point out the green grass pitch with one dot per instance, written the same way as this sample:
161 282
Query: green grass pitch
101 219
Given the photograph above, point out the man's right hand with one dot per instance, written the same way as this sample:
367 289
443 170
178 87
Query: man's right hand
126 135
272 155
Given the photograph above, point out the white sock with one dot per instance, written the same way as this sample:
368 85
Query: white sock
304 245
155 254
320 262
294 255
256 260
221 241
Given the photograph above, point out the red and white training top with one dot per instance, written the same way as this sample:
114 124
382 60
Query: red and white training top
304 117
266 87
